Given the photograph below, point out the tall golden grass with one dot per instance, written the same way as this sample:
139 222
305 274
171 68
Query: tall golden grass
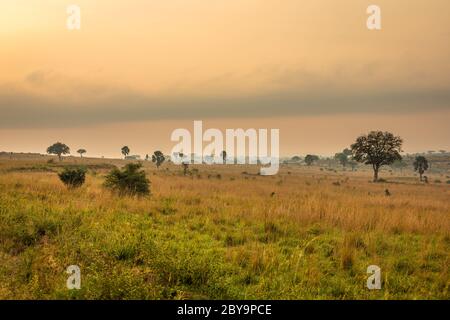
279 236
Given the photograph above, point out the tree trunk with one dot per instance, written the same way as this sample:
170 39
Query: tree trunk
375 173
59 157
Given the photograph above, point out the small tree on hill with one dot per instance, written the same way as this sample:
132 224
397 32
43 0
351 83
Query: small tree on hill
59 149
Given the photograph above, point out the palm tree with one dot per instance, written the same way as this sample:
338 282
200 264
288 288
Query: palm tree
125 151
224 156
421 165
158 158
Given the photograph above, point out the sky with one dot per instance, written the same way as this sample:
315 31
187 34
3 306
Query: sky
137 70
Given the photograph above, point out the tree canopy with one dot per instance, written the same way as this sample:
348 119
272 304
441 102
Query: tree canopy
310 158
377 148
59 149
81 152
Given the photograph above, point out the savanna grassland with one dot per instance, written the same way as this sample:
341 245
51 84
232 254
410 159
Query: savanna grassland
223 232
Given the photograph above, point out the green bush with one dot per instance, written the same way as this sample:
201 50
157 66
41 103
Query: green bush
129 181
73 177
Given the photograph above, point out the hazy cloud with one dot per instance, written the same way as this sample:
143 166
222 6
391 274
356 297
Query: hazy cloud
48 99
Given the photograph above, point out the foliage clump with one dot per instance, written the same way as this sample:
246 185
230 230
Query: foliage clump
73 177
128 182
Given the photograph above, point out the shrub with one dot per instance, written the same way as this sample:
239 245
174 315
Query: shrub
129 181
73 177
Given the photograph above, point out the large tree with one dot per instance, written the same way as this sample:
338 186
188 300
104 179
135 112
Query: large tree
377 149
125 151
421 165
81 152
59 149
158 158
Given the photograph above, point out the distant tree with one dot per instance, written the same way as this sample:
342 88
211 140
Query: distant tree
420 165
158 158
342 158
431 151
353 164
81 152
185 163
223 154
399 164
296 159
310 158
347 152
185 168
128 182
377 148
125 151
59 149
443 151
147 157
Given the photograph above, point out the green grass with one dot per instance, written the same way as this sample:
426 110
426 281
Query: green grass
180 244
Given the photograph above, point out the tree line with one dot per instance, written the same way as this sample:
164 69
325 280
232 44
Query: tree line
377 149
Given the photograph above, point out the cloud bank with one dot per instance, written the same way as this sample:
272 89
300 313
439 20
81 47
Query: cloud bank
48 99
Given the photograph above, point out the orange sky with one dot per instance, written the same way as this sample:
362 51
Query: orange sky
139 69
